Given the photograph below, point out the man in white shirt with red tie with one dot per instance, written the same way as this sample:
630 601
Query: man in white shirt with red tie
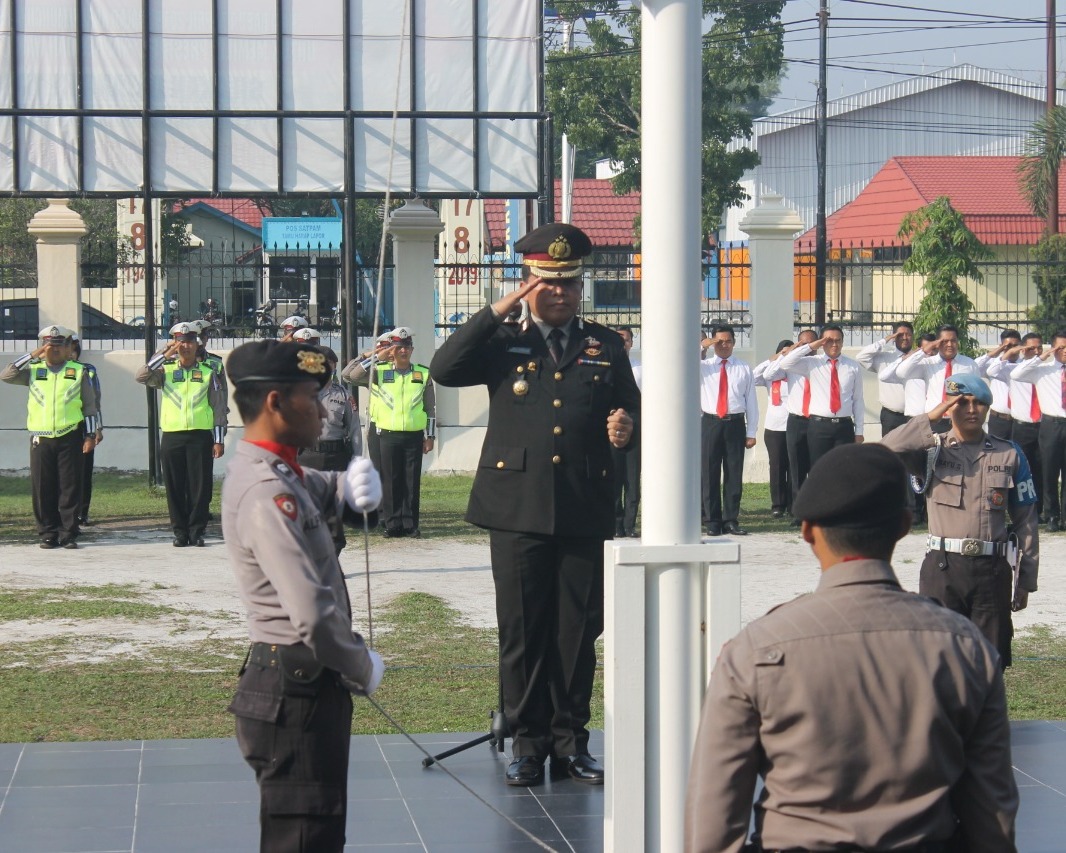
1023 403
1047 373
1000 422
730 420
834 404
936 362
890 351
774 433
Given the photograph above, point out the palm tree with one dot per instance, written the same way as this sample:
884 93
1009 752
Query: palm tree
1044 149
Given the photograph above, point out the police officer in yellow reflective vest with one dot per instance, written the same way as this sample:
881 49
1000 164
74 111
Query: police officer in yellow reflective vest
192 416
403 411
60 411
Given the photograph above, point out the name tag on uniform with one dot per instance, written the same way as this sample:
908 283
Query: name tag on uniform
520 350
417 376
70 373
388 376
197 376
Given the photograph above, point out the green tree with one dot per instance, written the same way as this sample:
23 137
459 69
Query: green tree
593 91
1048 315
943 250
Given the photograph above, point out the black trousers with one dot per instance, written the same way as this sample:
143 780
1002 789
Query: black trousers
332 460
1001 426
890 420
401 479
296 740
626 487
185 457
980 588
799 458
780 485
373 445
823 434
86 482
1027 437
56 471
549 609
1052 443
722 464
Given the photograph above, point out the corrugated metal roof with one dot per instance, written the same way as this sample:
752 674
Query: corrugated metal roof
985 190
607 218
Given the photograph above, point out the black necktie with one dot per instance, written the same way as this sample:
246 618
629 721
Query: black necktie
555 344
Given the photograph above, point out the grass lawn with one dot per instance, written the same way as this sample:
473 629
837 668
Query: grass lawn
441 672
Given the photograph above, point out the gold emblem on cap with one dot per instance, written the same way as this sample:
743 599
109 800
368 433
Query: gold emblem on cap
520 388
559 249
953 386
311 362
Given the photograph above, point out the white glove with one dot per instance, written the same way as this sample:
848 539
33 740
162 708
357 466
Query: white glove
362 485
377 670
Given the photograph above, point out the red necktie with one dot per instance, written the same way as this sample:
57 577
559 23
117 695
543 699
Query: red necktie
723 391
834 387
1063 375
947 376
1034 404
775 392
806 397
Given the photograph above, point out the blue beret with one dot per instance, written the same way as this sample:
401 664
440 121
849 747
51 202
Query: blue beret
968 383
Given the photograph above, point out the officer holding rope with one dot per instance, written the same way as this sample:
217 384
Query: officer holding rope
293 704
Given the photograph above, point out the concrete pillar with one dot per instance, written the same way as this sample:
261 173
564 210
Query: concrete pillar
414 229
58 230
771 227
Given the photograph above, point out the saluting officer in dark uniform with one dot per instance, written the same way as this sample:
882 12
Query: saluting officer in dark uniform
340 438
561 394
293 708
61 419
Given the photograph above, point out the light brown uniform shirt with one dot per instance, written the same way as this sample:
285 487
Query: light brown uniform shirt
284 560
875 717
974 488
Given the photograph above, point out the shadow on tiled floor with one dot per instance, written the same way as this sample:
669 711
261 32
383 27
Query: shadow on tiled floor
198 795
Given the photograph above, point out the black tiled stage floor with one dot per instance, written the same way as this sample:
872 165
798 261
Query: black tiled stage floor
198 795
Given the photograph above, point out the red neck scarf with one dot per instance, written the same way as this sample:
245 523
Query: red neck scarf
286 452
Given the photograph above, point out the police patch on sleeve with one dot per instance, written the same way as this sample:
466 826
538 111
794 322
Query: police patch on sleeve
1023 492
287 505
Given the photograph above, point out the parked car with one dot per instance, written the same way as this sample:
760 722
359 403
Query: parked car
19 321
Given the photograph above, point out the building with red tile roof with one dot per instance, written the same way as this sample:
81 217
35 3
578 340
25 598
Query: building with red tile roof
985 190
608 219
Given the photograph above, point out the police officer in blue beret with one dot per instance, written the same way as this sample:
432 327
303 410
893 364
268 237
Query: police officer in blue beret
561 395
983 543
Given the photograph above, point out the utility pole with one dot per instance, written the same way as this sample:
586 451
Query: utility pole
819 150
1052 226
566 149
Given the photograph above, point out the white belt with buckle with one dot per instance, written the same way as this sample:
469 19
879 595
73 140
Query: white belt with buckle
966 547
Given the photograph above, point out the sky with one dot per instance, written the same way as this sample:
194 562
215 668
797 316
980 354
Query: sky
873 43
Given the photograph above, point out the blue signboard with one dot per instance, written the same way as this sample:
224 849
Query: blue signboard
301 232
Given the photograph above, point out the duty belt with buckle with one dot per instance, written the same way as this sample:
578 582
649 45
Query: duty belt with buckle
967 547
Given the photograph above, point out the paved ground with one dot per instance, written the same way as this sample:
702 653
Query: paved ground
775 567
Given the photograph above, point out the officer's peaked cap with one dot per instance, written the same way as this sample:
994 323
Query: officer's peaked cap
556 250
307 334
277 362
55 335
185 331
853 485
400 335
968 383
294 322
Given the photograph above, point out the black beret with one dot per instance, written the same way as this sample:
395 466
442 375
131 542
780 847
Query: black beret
555 250
328 353
274 361
853 485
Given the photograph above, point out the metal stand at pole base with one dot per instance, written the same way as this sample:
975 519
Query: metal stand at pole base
498 732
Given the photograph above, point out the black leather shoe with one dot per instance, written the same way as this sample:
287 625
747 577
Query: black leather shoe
714 528
69 544
49 544
181 542
734 529
581 768
777 513
631 533
199 543
619 531
1053 524
525 771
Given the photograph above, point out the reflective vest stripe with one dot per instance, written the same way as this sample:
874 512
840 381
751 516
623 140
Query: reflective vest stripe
397 406
185 404
54 409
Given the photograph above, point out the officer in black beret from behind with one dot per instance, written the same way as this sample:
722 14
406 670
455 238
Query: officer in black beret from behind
293 704
561 395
